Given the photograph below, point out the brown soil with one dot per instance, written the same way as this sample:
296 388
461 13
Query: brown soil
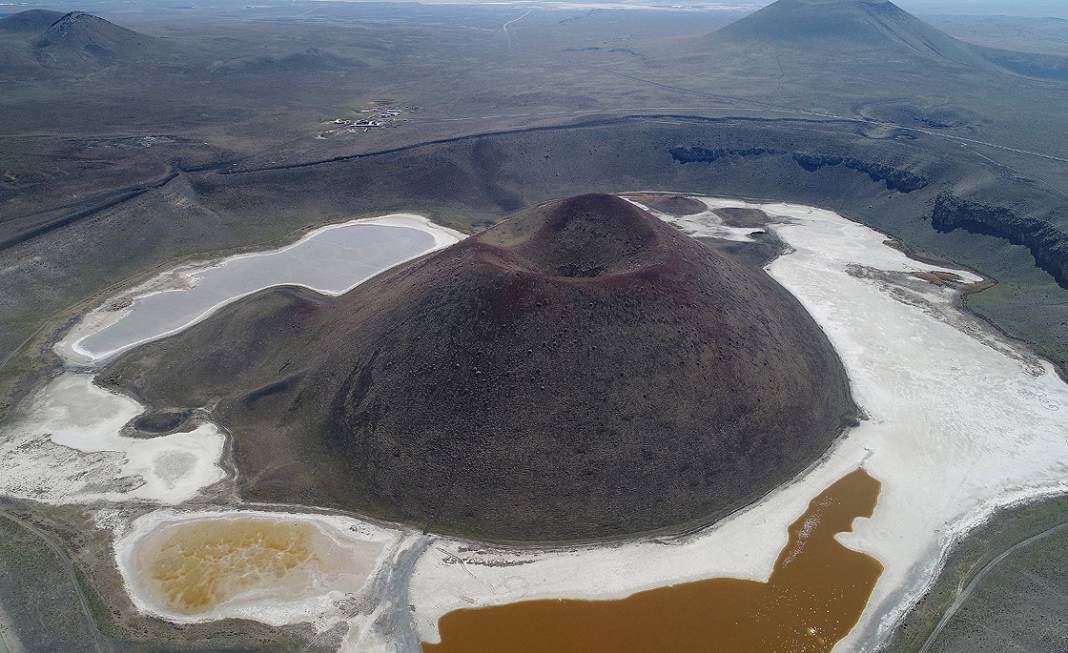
938 278
580 370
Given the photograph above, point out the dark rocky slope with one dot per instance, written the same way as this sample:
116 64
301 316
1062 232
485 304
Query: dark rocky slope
580 370
79 40
32 21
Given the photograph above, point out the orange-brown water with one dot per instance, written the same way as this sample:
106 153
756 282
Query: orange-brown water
200 565
815 595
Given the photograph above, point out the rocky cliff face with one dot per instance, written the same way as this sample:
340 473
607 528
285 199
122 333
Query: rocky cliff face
1048 244
896 179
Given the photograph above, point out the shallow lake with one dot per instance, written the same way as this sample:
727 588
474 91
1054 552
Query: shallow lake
330 261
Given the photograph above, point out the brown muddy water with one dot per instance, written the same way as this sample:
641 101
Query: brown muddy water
815 595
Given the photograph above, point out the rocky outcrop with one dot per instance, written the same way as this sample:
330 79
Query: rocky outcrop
1048 244
897 179
705 155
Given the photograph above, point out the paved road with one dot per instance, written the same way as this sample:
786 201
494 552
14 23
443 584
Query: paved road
974 582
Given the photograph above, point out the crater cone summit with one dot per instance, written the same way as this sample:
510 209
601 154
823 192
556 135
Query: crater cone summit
579 370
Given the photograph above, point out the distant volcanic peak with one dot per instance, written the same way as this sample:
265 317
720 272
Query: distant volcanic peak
79 23
79 30
72 17
75 20
580 237
789 20
874 23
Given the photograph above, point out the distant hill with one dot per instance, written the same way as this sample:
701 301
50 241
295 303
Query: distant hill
34 20
40 44
851 36
854 25
78 39
1028 64
310 60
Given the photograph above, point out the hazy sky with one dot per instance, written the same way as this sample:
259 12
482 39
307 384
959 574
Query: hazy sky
1057 8
1053 8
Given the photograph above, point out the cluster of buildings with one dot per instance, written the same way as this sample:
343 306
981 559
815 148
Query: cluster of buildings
362 122
378 117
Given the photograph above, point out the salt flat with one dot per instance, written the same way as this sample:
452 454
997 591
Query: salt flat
67 448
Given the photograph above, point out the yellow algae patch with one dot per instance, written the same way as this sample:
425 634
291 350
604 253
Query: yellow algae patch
814 597
195 566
